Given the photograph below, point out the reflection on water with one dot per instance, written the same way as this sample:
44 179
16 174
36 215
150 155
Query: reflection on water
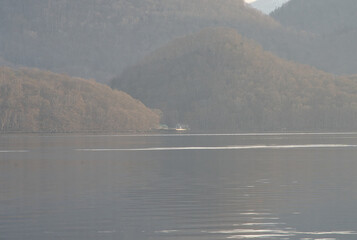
191 187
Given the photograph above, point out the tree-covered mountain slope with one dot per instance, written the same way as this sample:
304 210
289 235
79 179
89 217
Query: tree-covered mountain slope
38 101
218 80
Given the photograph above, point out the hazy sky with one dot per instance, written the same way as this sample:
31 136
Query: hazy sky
249 1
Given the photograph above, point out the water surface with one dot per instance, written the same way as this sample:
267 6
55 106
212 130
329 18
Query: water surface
186 187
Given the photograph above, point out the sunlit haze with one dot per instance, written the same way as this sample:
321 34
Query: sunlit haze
178 119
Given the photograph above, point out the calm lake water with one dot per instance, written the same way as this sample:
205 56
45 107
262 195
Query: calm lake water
178 187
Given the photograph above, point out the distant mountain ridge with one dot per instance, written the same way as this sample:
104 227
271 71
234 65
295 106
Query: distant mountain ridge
218 80
326 17
38 101
98 38
333 23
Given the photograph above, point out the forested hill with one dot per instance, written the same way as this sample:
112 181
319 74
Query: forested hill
327 17
37 101
216 79
98 38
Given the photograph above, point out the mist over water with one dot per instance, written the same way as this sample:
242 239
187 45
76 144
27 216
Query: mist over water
190 187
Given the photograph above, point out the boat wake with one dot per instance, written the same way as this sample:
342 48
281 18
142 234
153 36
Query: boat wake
239 147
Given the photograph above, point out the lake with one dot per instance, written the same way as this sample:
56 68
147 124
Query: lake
178 187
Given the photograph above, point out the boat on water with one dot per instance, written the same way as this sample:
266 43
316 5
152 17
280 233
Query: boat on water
179 128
